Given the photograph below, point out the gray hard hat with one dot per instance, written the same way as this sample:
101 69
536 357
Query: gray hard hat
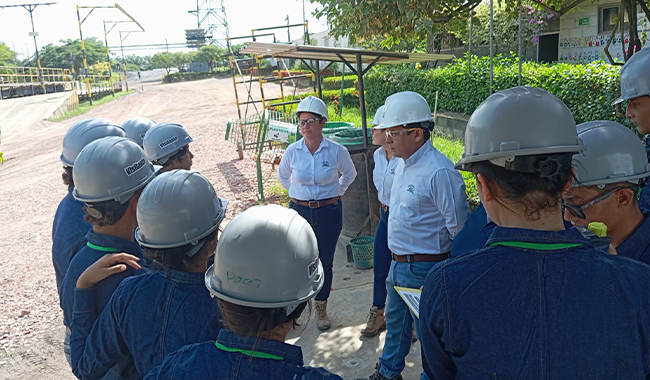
614 154
177 208
635 77
111 168
164 140
519 122
267 257
137 127
84 132
313 105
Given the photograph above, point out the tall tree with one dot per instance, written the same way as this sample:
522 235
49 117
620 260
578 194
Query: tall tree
210 54
181 60
162 61
59 55
398 20
7 56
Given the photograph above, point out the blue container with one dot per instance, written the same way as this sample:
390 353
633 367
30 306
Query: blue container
363 251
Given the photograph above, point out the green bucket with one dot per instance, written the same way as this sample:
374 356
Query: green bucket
350 136
363 251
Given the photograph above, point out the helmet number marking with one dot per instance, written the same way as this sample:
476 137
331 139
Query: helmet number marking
235 279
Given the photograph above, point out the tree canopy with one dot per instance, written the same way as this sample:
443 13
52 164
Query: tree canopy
162 61
7 56
210 54
59 55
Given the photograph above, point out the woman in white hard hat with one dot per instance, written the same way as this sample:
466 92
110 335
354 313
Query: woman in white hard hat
266 271
382 176
157 313
168 145
538 301
317 171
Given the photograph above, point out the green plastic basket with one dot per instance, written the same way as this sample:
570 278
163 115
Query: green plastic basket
350 136
332 127
363 251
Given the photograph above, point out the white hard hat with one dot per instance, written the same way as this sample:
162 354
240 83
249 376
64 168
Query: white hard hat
377 120
635 76
404 108
313 105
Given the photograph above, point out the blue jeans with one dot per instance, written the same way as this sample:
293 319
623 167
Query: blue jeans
399 319
327 222
381 261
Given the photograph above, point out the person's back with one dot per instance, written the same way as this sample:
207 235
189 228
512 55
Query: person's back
573 311
230 357
68 235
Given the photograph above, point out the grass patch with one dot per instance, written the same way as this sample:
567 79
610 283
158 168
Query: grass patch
454 149
277 194
85 106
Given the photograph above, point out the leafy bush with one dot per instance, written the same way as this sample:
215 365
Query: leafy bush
350 98
587 90
334 83
184 77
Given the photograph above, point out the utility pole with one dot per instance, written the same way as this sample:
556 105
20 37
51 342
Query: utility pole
30 8
288 30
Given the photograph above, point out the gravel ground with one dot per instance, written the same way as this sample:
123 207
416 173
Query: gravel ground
31 331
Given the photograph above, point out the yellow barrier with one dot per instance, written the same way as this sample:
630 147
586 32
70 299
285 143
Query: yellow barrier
17 75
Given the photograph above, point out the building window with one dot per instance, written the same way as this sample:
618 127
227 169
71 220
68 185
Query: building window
608 17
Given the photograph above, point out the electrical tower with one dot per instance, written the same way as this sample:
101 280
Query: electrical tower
212 19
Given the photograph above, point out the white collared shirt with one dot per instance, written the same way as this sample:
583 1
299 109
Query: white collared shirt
314 177
428 205
383 174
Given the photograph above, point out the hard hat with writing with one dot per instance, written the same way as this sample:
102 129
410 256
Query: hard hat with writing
84 132
112 168
267 257
177 208
614 154
406 108
635 76
513 127
137 127
313 105
164 140
377 120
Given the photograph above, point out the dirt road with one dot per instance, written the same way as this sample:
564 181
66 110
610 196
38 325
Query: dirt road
31 331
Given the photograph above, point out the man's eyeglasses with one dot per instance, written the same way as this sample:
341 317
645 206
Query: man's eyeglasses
577 210
397 133
310 122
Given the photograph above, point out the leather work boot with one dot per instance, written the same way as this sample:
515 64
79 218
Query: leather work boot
322 320
376 322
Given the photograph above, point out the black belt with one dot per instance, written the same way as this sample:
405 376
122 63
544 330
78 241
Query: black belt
420 258
317 204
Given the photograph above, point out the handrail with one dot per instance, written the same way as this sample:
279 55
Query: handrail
19 74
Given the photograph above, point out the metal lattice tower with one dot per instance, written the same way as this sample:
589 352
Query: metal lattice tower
213 20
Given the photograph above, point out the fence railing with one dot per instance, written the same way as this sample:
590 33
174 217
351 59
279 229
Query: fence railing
17 75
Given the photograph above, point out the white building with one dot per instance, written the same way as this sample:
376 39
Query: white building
584 33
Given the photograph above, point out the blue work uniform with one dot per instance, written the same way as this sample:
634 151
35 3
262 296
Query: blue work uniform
644 199
475 233
637 245
147 318
238 357
97 246
536 305
68 235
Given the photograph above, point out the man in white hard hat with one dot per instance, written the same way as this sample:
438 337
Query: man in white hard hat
428 207
635 96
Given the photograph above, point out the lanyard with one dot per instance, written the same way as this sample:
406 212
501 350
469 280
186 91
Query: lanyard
100 248
253 354
538 246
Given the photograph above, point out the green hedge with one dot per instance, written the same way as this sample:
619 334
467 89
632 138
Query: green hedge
183 77
587 90
334 83
350 98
